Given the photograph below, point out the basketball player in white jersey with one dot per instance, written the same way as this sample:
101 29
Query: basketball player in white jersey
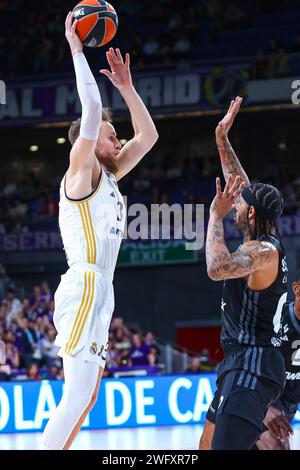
91 219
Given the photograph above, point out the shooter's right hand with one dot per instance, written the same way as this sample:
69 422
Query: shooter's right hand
71 35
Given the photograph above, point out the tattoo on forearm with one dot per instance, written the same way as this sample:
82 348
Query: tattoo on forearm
229 160
221 264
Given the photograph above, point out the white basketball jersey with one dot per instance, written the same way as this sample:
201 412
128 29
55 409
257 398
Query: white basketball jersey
92 228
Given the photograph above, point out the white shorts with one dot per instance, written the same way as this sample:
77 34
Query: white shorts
84 304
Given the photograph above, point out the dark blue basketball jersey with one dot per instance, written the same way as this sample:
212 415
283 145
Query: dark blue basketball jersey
252 318
291 353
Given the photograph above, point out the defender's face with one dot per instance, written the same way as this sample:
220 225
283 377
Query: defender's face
241 213
296 289
108 147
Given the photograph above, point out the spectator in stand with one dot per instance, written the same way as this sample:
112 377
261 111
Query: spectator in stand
14 307
46 294
49 349
181 47
39 302
207 363
53 373
195 366
26 310
3 312
33 372
152 343
30 342
121 340
151 50
12 355
139 351
5 282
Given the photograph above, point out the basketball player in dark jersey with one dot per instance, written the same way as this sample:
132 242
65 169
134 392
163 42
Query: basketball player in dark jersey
282 412
252 374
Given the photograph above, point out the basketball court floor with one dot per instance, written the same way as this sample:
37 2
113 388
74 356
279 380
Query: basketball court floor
185 437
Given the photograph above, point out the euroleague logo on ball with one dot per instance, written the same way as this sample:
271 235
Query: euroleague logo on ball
80 12
97 22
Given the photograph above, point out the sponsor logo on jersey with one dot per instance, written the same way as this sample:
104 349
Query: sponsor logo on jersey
116 231
223 304
113 194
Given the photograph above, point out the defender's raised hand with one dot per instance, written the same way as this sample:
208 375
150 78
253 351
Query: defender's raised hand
223 201
120 74
227 121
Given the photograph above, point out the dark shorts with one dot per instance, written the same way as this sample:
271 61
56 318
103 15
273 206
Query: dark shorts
249 403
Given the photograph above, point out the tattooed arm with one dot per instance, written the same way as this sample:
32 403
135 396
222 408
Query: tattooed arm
252 256
221 264
229 160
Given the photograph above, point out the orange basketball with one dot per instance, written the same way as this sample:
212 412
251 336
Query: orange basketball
97 22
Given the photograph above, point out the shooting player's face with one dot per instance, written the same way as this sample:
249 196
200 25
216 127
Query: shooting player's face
108 147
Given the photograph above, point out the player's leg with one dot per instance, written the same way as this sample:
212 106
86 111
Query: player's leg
209 426
234 433
267 441
80 383
207 435
85 413
240 412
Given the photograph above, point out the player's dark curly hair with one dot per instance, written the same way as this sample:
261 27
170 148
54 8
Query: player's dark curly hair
270 199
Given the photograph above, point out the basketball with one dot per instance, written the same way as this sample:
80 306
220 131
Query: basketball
97 22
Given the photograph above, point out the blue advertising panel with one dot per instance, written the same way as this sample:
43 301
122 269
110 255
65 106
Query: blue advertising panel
128 402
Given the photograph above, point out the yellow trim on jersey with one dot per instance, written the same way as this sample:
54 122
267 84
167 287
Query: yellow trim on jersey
81 201
86 230
86 312
82 304
83 311
89 234
92 234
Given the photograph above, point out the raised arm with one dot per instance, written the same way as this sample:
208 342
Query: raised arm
82 155
145 133
253 255
230 162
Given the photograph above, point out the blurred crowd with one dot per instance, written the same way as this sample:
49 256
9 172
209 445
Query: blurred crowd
32 204
165 33
27 329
